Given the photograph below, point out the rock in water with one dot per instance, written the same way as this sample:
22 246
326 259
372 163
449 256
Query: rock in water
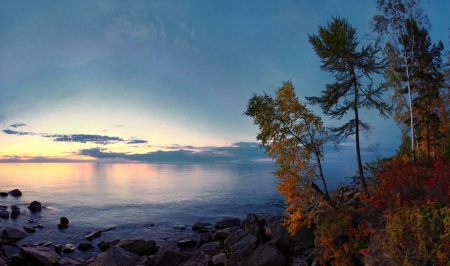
69 248
114 256
64 220
227 223
4 213
35 206
12 233
137 246
93 235
15 193
29 229
3 194
85 246
40 255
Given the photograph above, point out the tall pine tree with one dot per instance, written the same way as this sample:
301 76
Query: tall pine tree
350 64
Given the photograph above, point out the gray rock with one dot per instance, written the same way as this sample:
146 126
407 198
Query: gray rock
200 225
265 255
64 220
254 226
15 213
186 243
104 245
29 229
85 246
13 234
240 245
4 213
200 258
69 248
219 259
137 246
203 238
15 192
114 256
227 223
35 206
93 235
224 233
40 255
172 258
66 261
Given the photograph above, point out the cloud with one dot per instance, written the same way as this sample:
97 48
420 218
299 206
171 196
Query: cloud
20 133
17 125
239 151
136 141
84 138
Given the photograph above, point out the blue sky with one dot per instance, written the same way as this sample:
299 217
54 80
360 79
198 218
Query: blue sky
164 80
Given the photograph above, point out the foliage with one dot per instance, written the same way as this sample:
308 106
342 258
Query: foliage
293 136
337 47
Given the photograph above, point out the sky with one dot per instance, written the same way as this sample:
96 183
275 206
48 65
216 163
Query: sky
165 80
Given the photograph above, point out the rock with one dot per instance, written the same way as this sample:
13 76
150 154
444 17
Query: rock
266 255
63 226
104 245
64 220
58 248
40 226
15 213
203 238
200 258
15 193
227 223
40 255
254 226
219 259
299 262
200 225
29 229
31 220
224 233
17 259
186 243
240 245
211 248
93 235
35 206
85 246
172 258
4 213
69 248
10 233
3 194
114 256
137 246
286 243
66 261
179 226
14 207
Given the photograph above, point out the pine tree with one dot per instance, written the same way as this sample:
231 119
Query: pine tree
337 47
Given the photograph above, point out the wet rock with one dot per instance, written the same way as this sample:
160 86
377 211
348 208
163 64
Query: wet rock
186 243
58 248
114 256
211 248
172 258
137 246
35 206
220 259
15 192
63 226
40 226
66 261
40 255
240 245
29 229
224 233
15 213
203 238
3 194
93 235
69 248
85 246
179 226
4 213
200 225
227 223
104 245
64 220
13 234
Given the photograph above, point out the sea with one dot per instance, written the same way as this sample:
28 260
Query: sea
138 200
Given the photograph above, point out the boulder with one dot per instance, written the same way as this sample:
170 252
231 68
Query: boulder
186 243
286 243
4 213
211 248
200 225
64 220
224 233
29 229
58 248
220 259
137 246
66 261
15 192
227 223
172 258
63 226
254 226
203 238
15 213
85 246
200 258
104 245
40 255
114 256
35 206
240 245
3 194
93 235
265 255
10 233
69 248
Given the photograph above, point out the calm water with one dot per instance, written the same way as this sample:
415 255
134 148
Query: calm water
131 196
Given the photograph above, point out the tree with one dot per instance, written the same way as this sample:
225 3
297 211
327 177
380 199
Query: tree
293 136
336 45
391 24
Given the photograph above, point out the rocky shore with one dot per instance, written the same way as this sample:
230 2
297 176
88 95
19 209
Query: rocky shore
253 240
